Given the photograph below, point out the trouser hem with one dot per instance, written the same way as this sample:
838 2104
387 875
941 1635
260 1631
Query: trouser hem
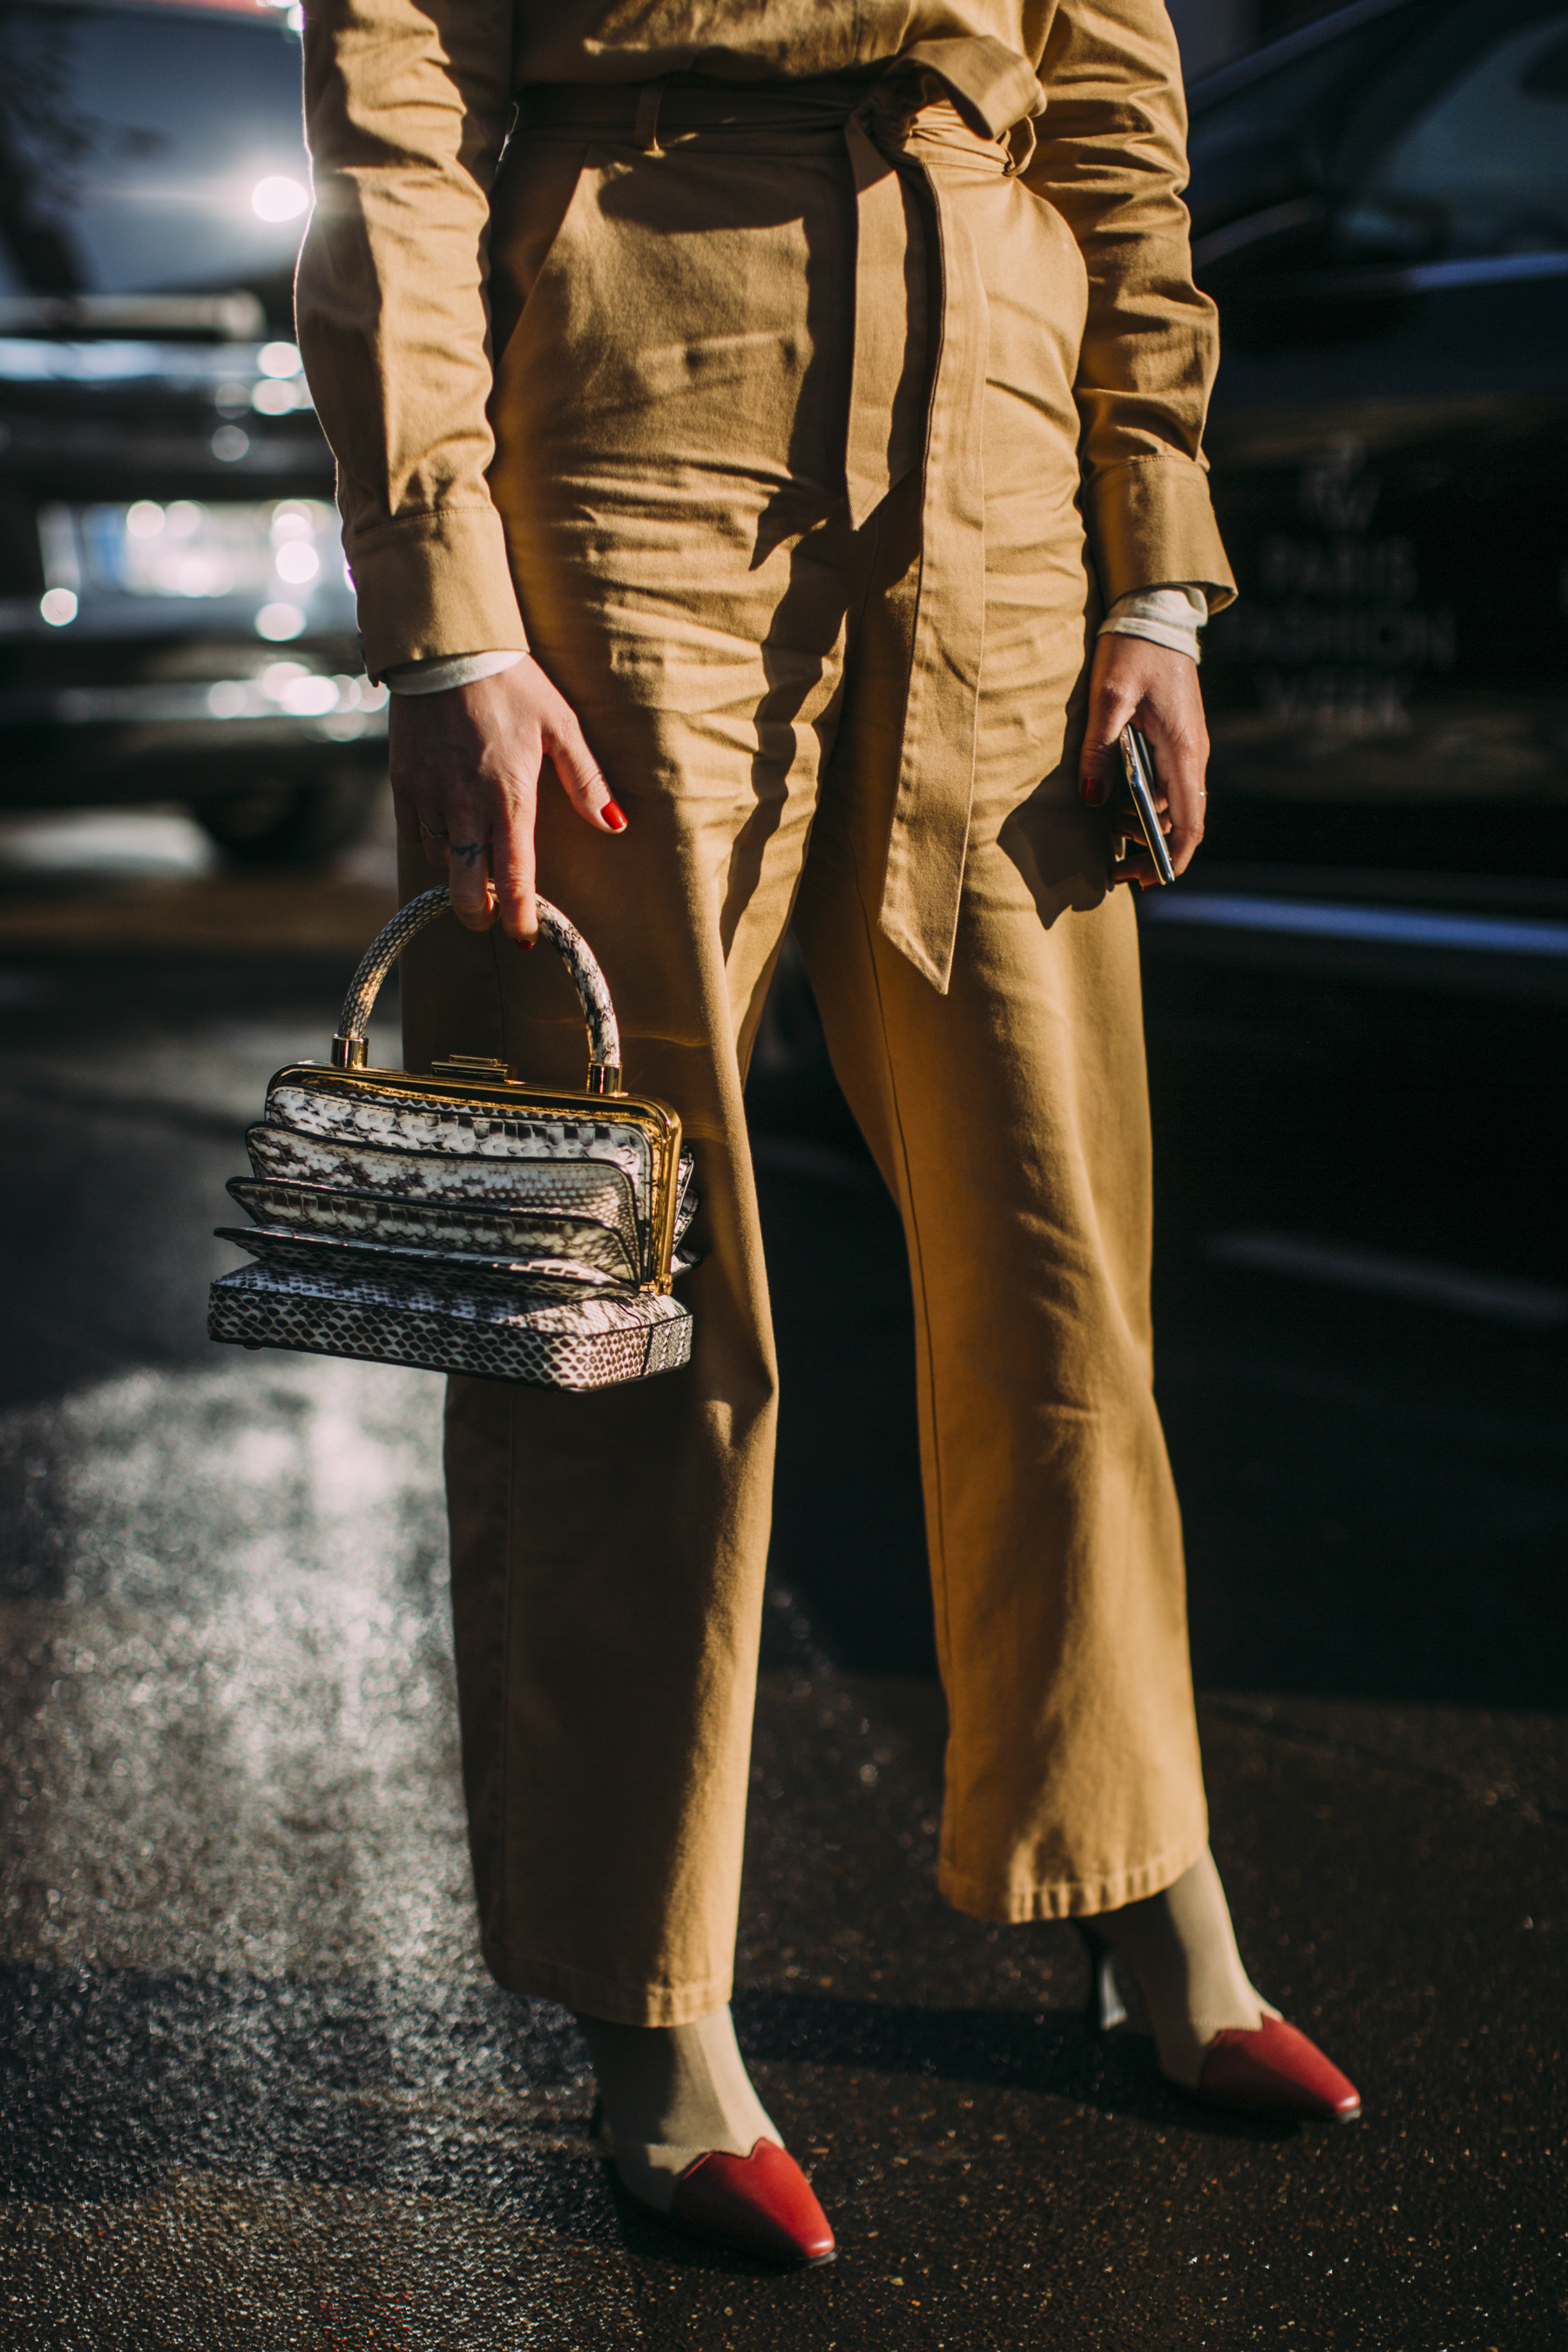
1009 1904
613 1998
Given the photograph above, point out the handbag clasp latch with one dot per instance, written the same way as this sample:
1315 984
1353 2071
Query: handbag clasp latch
475 1066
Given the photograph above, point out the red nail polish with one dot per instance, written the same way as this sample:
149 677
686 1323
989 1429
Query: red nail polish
615 816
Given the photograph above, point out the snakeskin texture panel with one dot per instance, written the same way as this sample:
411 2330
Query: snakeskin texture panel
582 1187
589 1344
542 1277
411 1123
470 1229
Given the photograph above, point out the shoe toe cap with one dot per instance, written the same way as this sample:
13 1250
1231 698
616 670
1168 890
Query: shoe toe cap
1275 2069
762 2203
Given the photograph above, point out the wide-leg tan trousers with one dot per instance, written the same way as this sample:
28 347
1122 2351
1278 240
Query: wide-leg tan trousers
670 411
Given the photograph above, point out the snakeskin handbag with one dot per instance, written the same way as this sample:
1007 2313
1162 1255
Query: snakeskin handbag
464 1221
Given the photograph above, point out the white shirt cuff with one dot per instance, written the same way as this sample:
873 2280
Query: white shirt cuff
1166 616
435 676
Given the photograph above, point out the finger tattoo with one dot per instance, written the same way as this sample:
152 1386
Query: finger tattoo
470 852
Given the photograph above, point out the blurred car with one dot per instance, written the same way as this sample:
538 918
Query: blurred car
1380 207
175 619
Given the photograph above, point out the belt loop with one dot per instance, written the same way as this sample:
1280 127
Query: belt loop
646 131
1020 142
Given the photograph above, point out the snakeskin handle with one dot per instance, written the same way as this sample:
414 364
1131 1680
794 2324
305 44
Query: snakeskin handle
593 992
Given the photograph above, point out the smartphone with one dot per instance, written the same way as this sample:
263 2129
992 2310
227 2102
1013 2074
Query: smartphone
1138 762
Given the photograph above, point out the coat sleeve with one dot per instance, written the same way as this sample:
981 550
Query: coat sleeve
1111 158
407 106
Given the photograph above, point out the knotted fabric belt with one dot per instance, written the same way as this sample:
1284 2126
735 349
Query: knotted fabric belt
967 104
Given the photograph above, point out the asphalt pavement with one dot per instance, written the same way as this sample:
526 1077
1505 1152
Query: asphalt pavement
258 2091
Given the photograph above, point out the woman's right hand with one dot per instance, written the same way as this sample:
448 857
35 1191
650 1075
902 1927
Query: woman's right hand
465 783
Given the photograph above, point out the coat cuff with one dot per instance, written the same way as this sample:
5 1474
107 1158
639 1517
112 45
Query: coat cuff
1151 522
434 586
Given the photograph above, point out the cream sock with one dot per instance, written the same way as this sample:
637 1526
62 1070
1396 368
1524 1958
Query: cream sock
671 2093
1181 1946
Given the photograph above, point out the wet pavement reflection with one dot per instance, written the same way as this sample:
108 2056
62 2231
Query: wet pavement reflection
258 2089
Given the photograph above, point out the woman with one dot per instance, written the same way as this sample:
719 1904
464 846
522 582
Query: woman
792 437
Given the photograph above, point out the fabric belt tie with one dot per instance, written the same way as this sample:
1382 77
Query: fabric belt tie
993 94
968 103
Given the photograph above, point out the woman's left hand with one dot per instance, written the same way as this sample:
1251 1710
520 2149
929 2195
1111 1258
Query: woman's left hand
1135 683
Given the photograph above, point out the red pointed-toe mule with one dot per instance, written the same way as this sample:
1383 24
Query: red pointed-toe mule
1270 2069
762 2204
1273 2069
